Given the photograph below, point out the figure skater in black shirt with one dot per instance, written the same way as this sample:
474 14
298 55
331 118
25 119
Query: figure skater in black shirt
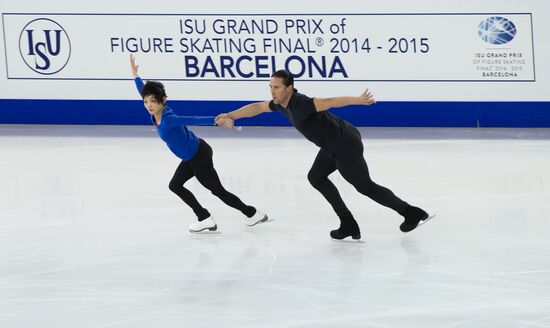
341 149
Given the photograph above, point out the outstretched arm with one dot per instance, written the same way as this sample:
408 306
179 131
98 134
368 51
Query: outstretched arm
134 69
176 120
133 66
321 104
227 120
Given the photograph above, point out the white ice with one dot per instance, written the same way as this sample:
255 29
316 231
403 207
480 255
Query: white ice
90 235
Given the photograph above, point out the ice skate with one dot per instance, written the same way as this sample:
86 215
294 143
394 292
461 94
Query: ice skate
259 217
414 217
347 229
206 224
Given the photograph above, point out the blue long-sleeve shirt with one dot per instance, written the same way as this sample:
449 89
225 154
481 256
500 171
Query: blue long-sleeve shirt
173 130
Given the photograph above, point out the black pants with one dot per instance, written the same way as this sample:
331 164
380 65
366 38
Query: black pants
351 164
201 166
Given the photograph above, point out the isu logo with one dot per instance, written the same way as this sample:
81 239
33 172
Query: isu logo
44 46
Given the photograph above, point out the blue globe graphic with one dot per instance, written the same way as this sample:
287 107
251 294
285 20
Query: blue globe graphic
496 30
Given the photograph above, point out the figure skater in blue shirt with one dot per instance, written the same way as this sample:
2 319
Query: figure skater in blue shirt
195 153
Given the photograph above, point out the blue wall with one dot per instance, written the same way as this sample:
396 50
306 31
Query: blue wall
427 114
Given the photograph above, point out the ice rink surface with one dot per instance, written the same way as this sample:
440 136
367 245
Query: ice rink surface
90 235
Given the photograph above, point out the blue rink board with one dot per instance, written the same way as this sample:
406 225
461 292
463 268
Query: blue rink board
388 113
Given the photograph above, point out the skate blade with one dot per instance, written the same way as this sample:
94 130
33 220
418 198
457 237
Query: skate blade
426 220
422 222
206 231
348 240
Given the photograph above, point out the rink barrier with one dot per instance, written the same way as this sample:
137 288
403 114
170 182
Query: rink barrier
386 113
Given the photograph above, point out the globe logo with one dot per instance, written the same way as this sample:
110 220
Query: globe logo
496 30
44 46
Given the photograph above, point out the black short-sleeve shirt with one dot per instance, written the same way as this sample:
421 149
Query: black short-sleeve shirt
324 129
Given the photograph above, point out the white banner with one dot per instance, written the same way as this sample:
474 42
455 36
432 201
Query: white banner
337 47
217 50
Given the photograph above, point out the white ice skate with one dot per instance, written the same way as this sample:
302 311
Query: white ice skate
207 224
259 217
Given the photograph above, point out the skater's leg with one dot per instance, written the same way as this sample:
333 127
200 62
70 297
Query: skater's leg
322 167
183 173
353 167
203 166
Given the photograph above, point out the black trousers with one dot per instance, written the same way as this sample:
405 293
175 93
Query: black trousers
349 161
201 166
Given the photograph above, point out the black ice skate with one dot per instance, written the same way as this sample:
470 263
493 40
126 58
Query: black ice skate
414 217
347 229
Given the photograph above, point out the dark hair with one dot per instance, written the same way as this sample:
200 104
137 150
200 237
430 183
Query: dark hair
287 77
155 89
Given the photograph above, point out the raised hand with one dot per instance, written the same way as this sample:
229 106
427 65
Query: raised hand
366 98
133 66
